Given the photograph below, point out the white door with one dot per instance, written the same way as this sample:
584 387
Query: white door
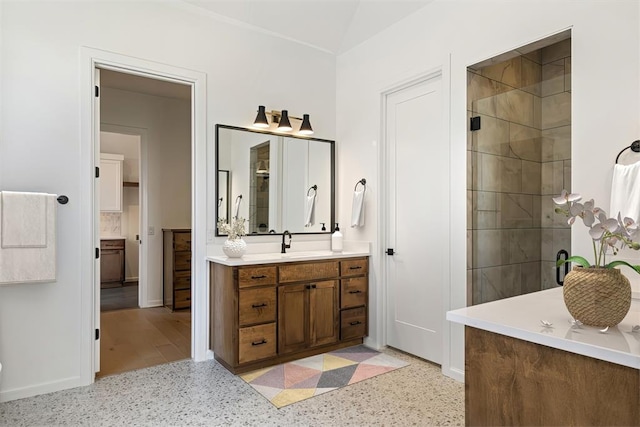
417 163
96 219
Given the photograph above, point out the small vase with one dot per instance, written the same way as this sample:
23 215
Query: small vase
234 248
597 296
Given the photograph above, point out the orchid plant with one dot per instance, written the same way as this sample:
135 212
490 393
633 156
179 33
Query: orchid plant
235 230
607 233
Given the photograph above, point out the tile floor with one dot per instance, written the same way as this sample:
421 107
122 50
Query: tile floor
188 393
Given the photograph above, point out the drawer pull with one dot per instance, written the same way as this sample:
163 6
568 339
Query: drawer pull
259 342
264 304
259 277
355 292
357 267
357 322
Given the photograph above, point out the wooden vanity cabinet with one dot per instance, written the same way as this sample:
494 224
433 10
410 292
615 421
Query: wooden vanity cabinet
177 268
262 315
111 263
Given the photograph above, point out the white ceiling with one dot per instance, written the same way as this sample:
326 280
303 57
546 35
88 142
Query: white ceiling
331 25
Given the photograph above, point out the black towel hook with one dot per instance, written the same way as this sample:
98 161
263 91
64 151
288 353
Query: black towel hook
635 147
314 188
63 200
363 182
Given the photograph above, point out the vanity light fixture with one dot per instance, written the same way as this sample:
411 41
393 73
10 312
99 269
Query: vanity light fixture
282 118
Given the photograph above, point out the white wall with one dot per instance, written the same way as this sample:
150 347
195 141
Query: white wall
43 332
454 34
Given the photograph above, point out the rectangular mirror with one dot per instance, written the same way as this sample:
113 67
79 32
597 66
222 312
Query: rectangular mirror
276 182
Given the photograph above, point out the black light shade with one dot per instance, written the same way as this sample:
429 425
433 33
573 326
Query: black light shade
305 127
261 119
285 124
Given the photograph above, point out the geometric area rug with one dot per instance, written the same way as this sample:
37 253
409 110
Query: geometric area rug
301 379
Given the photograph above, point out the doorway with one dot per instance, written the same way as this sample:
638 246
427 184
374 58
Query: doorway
417 205
148 122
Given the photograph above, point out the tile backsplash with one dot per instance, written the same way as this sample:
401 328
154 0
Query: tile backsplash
110 224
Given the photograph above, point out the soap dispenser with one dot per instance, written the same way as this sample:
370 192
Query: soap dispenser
336 240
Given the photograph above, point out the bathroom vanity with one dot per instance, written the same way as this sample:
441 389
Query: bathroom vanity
526 363
272 308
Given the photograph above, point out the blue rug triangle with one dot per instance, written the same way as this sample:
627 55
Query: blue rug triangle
337 377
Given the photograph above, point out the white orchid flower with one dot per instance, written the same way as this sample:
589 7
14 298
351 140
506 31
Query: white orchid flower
566 197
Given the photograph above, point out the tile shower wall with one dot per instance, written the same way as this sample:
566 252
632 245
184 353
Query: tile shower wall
518 159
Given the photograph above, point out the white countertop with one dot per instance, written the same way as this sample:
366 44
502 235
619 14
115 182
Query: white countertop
520 317
112 238
272 258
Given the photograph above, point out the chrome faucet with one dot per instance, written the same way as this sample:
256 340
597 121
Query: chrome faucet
285 246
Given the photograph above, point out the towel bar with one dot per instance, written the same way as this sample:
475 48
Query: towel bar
635 147
362 181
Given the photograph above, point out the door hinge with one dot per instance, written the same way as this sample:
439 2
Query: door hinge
97 253
97 334
97 172
97 91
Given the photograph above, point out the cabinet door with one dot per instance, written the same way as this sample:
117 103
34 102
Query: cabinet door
323 313
293 318
111 266
110 185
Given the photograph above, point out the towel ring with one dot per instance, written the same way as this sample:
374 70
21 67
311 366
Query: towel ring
363 182
635 147
314 188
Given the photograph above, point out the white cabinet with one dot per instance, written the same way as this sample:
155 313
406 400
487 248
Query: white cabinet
111 182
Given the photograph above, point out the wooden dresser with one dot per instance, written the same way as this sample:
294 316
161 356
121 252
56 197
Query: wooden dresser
177 268
262 315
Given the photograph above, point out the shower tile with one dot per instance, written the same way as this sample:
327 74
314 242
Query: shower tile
535 56
556 51
556 143
470 248
531 76
497 282
515 106
478 88
552 178
567 174
469 287
567 74
472 170
537 112
530 280
469 132
508 72
537 210
525 142
531 177
554 239
498 173
524 245
553 78
470 206
493 137
485 201
484 210
490 247
548 274
515 211
551 219
556 110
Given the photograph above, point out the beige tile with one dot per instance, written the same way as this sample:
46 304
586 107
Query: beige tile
470 207
478 88
551 219
556 51
508 72
524 245
537 112
525 142
484 210
531 177
472 170
497 282
553 240
470 248
530 277
515 106
553 78
476 278
515 210
486 201
556 110
496 173
469 287
567 74
531 76
490 248
537 209
567 174
493 136
552 182
469 132
548 274
535 56
556 144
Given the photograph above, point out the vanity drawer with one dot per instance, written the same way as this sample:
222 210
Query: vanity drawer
257 305
353 323
353 292
182 241
112 244
308 271
354 267
257 342
182 261
182 299
182 280
255 276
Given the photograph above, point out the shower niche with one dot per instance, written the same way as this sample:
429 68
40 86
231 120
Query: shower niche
518 159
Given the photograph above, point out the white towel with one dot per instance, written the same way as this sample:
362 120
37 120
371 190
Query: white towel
24 220
625 191
310 210
357 208
236 208
28 263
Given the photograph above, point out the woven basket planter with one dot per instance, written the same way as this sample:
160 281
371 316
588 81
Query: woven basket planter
597 296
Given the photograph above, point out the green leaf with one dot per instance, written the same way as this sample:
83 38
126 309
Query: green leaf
619 262
577 259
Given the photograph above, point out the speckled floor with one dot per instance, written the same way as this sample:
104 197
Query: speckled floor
188 393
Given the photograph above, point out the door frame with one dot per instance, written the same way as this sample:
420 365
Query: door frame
90 59
443 70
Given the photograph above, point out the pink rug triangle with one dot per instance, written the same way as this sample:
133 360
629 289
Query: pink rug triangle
273 378
364 371
294 374
309 382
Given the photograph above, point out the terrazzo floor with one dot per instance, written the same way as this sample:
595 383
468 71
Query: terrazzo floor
188 393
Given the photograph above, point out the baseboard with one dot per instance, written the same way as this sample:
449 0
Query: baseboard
154 303
130 279
456 374
42 388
